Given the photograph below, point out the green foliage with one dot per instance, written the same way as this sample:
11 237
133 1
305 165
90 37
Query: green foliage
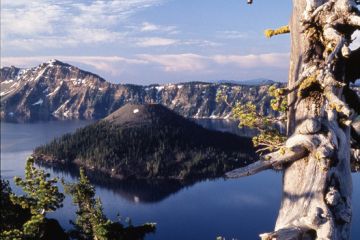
91 223
12 216
279 102
89 216
156 151
24 216
248 116
269 138
41 196
41 193
12 234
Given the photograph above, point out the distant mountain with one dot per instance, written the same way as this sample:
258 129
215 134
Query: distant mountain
149 141
56 90
251 82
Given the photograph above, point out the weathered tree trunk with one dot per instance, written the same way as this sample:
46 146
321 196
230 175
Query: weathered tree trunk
317 184
316 201
297 41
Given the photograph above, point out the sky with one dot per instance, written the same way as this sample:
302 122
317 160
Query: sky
149 41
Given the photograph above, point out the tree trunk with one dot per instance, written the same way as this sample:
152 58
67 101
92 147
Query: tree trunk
295 58
317 184
316 199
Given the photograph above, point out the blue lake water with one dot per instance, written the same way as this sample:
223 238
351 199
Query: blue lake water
236 209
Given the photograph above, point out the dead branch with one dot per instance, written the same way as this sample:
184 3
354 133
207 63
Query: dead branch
272 160
288 233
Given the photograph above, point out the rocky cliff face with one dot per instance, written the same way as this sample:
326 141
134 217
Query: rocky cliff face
56 90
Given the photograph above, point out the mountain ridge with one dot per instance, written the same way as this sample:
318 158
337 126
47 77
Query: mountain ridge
59 91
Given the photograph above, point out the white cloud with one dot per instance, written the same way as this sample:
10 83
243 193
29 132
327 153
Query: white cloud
161 42
178 62
156 42
150 27
25 23
112 65
278 60
169 62
194 62
201 43
95 35
172 66
30 19
231 34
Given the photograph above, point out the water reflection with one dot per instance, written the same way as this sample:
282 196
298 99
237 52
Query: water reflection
226 126
239 209
133 190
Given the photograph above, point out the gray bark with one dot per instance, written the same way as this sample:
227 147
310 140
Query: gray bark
317 184
297 50
316 190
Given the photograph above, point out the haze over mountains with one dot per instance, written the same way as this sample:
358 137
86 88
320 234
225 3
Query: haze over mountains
57 90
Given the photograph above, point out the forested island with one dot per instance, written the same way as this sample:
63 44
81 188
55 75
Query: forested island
147 142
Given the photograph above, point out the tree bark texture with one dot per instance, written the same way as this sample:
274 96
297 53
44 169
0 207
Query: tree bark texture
317 184
317 189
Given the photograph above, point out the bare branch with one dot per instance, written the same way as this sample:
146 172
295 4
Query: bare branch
332 35
271 160
337 104
287 233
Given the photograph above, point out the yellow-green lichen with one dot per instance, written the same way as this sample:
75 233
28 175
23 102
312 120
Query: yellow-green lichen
273 32
307 84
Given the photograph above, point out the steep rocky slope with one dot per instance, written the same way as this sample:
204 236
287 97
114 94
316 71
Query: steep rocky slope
56 90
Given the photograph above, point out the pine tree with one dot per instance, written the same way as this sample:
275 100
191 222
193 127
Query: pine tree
41 195
12 216
91 223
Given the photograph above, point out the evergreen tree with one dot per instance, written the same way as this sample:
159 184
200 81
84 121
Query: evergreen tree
41 195
12 216
91 223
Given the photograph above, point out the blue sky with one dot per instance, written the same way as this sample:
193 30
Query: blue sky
149 41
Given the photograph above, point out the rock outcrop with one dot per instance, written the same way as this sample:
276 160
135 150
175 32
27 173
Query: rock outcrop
56 90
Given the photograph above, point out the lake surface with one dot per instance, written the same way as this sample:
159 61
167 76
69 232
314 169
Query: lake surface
236 209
